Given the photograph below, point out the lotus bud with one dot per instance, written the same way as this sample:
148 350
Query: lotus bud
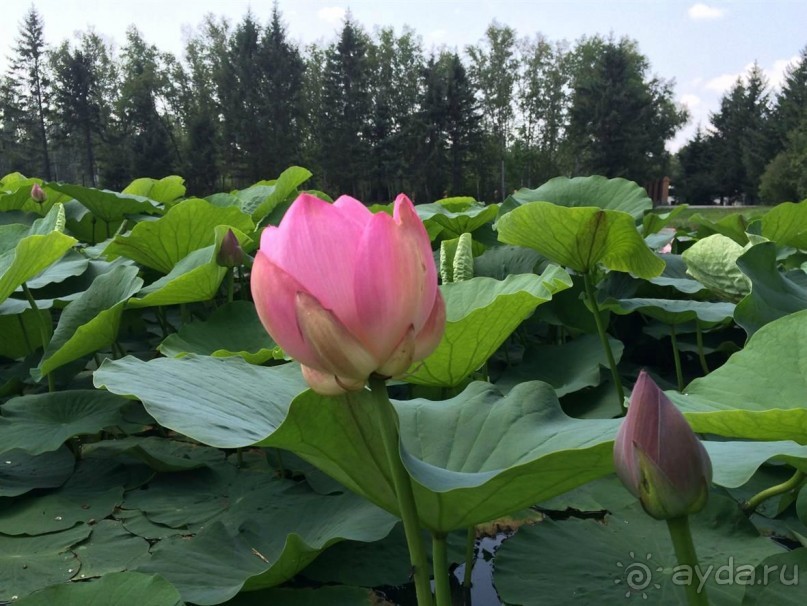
658 457
348 293
38 194
230 253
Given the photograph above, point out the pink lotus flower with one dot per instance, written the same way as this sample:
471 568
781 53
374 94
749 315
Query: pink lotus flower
658 457
347 292
38 194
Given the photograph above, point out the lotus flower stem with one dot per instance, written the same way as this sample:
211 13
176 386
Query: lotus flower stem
699 341
442 586
387 420
595 309
679 374
43 328
470 553
685 553
793 483
230 283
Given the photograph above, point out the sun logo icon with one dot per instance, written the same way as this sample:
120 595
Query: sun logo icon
637 576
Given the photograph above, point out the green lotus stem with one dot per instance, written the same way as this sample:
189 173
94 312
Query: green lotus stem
794 482
43 329
442 586
230 283
239 457
470 552
679 374
387 420
28 347
686 555
699 341
595 309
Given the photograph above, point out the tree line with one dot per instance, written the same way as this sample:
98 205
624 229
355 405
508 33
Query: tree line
374 114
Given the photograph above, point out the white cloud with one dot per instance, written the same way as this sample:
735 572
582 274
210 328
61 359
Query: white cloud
333 15
690 101
704 12
721 83
776 74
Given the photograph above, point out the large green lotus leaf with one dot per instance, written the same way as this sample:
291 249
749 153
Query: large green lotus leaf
85 497
780 580
735 462
654 222
270 529
501 261
786 224
501 455
335 595
21 331
40 423
262 198
615 194
24 254
731 226
675 275
107 205
474 458
70 265
165 190
31 563
629 557
673 311
453 224
110 548
759 393
581 237
223 402
188 226
773 294
21 472
713 262
480 314
159 454
90 322
116 589
197 277
570 367
234 329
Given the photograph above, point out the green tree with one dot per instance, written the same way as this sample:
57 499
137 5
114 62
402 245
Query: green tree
281 91
83 85
27 91
142 139
493 69
346 113
695 183
543 104
462 121
621 116
396 63
743 137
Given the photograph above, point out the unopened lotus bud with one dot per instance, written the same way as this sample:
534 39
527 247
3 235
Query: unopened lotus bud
230 253
658 457
38 194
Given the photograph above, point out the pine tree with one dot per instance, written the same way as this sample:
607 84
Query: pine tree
27 107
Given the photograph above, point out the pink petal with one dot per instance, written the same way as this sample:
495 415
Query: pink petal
316 244
405 215
401 359
328 385
396 279
429 337
275 293
339 352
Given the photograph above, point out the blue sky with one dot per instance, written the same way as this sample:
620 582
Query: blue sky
703 46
